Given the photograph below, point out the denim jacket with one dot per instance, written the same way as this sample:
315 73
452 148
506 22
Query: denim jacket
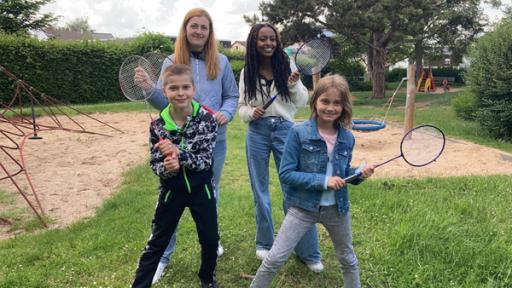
304 164
219 94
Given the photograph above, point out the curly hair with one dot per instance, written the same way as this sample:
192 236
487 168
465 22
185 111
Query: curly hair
280 66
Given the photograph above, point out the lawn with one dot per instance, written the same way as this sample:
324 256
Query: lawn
446 232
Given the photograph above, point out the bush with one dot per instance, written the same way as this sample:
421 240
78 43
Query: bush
151 42
77 72
237 66
395 75
465 105
489 76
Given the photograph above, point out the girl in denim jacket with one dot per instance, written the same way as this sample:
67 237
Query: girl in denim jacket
316 158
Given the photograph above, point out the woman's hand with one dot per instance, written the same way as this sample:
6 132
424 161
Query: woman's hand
142 79
294 77
220 118
258 112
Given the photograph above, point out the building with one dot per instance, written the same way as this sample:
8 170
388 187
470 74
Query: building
238 46
66 35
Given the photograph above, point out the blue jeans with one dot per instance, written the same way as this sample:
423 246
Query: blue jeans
219 155
266 135
294 225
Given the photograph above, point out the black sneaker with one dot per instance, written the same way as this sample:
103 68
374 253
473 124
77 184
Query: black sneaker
209 285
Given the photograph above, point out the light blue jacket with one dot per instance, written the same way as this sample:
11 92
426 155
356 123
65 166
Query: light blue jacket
219 94
304 164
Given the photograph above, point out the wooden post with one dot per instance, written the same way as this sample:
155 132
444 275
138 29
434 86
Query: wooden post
409 101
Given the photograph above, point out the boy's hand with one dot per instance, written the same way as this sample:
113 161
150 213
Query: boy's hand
335 183
172 164
367 171
167 148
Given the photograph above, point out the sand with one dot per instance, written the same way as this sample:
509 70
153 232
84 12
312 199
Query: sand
73 173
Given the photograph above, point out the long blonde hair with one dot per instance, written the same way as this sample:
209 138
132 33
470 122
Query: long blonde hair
340 84
182 49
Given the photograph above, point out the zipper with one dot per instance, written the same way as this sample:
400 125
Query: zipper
197 73
207 191
182 147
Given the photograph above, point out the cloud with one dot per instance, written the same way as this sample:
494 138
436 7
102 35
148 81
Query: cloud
125 18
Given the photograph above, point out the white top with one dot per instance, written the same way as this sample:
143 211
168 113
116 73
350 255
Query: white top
298 95
328 195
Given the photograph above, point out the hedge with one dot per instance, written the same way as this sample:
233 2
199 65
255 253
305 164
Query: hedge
74 72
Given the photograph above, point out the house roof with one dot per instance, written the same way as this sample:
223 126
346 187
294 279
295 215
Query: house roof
62 34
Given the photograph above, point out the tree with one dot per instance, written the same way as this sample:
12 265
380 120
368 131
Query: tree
20 16
453 25
489 79
378 26
80 24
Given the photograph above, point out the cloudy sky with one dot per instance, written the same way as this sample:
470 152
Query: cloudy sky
124 18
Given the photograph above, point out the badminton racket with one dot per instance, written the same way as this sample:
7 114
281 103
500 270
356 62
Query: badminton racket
310 58
137 86
419 147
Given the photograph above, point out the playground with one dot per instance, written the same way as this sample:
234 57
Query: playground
74 173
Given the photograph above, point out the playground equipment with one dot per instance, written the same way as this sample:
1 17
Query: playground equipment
426 81
368 125
16 127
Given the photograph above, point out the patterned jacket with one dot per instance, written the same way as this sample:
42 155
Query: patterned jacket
195 140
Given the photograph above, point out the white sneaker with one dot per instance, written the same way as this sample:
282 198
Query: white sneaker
159 272
261 253
220 250
316 267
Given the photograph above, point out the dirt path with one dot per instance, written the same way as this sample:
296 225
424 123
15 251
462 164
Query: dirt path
74 173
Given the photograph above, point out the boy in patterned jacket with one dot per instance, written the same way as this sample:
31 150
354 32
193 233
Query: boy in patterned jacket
182 140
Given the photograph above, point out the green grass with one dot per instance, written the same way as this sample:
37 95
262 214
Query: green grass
22 218
447 232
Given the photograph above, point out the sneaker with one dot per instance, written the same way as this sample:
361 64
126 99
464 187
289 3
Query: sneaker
209 285
220 250
316 267
261 253
159 272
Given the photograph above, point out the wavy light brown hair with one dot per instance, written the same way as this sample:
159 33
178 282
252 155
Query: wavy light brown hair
182 49
340 84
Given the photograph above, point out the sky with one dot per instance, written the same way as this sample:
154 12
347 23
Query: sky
127 18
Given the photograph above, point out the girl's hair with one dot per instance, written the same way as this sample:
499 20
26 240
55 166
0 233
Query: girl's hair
340 84
280 66
182 49
177 70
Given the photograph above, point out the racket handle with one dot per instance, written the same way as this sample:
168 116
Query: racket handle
351 178
269 102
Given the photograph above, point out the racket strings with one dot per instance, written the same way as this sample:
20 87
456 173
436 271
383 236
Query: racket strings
423 145
312 57
156 59
132 90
